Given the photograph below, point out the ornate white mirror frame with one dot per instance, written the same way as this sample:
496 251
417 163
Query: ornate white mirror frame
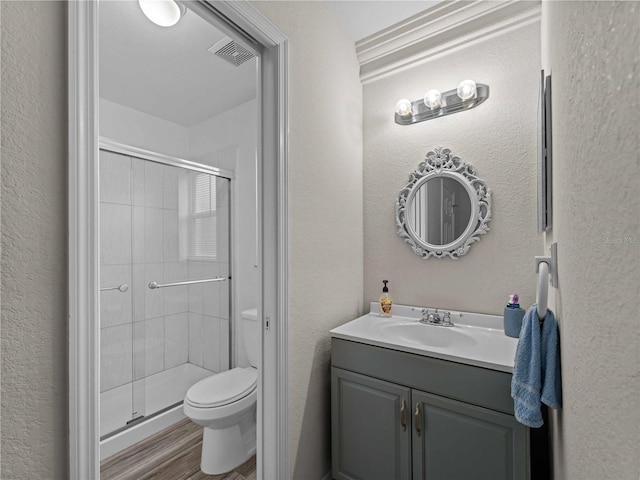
441 163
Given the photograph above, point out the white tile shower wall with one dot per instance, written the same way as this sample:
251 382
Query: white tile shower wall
209 317
153 233
210 336
195 339
140 224
154 341
116 345
176 345
115 306
176 299
115 234
115 178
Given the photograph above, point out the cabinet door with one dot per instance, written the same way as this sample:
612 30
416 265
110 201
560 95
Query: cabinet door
369 440
458 441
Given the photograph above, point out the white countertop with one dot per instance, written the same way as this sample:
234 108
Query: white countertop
490 347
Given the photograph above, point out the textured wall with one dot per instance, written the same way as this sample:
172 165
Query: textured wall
595 61
498 138
34 224
325 193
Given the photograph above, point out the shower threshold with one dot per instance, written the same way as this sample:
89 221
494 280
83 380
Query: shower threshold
160 396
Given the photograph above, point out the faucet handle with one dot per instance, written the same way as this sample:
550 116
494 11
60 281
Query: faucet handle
446 318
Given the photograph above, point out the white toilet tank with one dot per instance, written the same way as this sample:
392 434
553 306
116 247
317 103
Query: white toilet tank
250 334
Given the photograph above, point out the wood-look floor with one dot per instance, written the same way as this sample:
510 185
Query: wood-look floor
171 454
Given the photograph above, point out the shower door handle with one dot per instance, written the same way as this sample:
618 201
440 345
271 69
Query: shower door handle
122 288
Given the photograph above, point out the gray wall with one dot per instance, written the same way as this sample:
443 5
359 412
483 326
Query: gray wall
498 138
34 225
325 194
592 50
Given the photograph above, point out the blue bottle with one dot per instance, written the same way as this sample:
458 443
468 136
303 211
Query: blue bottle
513 316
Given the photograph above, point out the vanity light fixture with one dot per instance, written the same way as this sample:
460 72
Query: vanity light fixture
467 95
165 13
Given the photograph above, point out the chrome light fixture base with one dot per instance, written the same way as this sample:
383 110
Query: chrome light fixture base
450 103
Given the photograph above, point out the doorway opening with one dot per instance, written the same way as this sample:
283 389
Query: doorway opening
143 155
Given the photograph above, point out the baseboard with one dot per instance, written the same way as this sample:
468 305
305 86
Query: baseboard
327 476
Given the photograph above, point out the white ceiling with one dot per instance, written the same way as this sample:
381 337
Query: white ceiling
361 18
168 72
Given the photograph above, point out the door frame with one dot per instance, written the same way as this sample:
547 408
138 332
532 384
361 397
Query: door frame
83 281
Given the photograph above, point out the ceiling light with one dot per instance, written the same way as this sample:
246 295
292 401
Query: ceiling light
165 13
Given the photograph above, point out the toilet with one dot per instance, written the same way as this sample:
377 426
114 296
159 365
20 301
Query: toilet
225 405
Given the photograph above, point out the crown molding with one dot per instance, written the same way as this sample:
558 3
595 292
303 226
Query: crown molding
441 29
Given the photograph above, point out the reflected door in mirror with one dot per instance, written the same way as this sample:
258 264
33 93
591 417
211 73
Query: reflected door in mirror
440 211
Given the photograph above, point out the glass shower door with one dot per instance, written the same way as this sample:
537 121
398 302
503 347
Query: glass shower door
116 292
169 239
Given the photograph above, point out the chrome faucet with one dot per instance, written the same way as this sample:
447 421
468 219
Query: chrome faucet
435 318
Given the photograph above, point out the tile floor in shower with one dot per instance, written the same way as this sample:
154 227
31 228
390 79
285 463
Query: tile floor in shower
171 454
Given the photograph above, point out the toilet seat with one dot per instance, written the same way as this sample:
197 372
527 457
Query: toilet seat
222 389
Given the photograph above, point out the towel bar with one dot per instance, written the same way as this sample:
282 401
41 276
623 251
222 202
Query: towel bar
547 269
542 294
154 285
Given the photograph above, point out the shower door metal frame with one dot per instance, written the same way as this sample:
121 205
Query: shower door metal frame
109 145
117 147
237 19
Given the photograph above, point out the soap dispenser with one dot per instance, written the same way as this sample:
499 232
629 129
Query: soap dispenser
386 303
513 316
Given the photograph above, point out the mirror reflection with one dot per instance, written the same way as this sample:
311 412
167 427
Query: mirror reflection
440 211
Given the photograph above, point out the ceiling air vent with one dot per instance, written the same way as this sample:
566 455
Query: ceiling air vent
231 51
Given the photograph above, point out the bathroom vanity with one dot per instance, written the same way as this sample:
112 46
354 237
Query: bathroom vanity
416 401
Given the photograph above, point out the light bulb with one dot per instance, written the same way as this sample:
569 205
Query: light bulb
165 13
467 89
403 107
433 99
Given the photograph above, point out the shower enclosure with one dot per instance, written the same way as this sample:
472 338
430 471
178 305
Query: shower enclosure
164 282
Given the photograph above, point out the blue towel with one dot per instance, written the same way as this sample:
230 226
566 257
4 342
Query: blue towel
536 373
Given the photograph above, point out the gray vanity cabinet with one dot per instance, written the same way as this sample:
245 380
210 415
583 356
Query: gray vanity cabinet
396 415
372 441
462 441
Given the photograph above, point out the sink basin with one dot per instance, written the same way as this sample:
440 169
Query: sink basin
476 339
427 335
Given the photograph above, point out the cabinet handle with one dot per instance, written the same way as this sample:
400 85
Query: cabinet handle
416 416
403 421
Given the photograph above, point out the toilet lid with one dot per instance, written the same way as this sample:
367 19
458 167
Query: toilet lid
223 388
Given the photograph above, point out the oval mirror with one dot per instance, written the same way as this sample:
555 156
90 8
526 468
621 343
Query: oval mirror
444 207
